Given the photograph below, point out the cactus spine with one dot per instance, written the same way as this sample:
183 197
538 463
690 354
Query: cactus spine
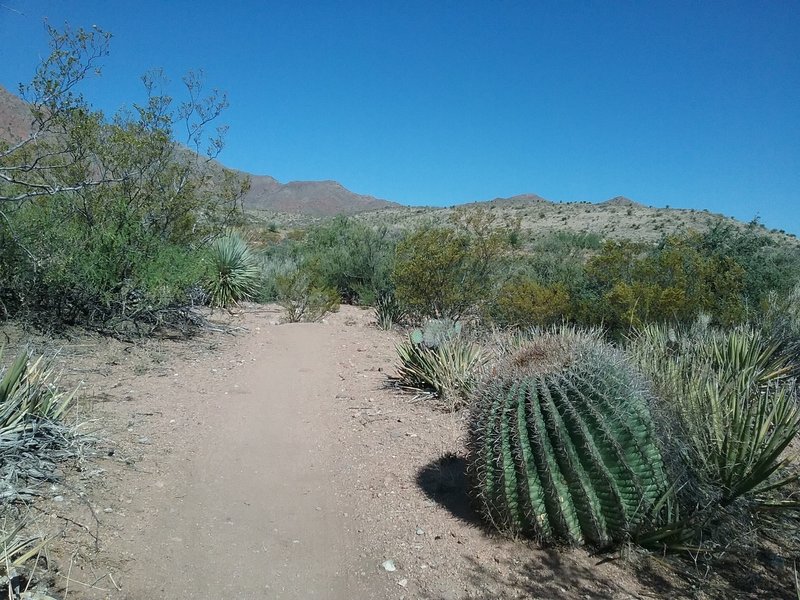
566 454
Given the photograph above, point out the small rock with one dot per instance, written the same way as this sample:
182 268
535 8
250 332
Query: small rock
58 499
388 565
420 531
108 510
143 440
403 582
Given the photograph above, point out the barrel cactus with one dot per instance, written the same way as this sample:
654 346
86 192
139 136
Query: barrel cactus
562 447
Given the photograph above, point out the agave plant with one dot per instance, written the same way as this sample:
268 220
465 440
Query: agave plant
236 274
388 310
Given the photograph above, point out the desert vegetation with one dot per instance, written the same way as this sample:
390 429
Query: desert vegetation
619 391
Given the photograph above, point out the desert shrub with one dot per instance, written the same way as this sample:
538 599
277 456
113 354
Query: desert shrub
349 257
780 322
562 445
57 271
439 359
673 281
769 266
273 266
110 229
302 299
235 272
447 272
526 303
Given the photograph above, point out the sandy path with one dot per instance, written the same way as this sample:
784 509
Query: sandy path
276 464
255 511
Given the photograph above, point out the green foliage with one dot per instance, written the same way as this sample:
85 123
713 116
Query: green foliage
440 360
768 266
388 311
58 270
562 445
28 396
447 271
525 303
235 272
675 280
449 370
738 408
349 257
302 299
111 230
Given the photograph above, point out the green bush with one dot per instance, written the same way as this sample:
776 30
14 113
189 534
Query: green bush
302 299
526 303
58 270
448 272
111 228
673 281
349 257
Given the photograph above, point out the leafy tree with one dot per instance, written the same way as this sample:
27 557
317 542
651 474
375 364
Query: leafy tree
106 221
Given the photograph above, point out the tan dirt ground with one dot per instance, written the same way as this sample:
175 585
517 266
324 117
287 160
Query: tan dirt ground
275 462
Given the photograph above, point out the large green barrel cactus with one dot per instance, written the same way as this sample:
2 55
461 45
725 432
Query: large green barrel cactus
562 447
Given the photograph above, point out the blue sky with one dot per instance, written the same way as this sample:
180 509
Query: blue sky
687 104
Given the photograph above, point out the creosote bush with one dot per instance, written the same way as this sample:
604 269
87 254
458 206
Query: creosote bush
302 299
105 221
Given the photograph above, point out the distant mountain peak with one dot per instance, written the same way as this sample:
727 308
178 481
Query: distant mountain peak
318 198
620 201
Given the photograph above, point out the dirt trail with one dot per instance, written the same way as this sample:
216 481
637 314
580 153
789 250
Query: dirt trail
276 464
256 510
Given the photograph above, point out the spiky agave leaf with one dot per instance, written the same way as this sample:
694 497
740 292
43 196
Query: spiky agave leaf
236 274
27 393
739 409
448 370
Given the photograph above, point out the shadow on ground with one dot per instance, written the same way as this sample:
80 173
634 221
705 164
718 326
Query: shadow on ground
573 574
445 482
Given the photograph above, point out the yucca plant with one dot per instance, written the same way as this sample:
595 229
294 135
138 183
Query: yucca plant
388 311
27 395
562 446
440 360
738 406
235 275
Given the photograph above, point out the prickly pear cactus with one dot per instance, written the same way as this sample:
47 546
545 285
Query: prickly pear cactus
566 453
436 332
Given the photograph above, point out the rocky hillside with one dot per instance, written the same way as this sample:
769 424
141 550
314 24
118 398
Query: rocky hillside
298 203
315 198
15 118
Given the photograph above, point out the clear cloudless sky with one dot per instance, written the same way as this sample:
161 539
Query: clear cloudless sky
681 103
